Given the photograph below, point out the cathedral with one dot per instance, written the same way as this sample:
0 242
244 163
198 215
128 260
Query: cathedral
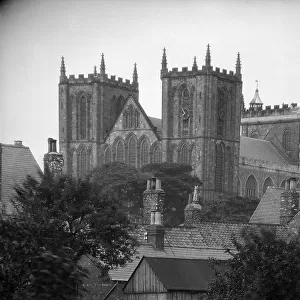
233 150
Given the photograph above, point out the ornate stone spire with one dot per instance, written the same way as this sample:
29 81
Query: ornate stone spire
195 67
95 70
238 65
207 57
135 75
62 67
102 65
164 63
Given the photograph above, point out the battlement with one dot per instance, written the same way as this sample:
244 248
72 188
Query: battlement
174 72
92 78
285 109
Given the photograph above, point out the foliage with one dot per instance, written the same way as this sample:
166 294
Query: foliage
229 209
78 217
28 271
264 267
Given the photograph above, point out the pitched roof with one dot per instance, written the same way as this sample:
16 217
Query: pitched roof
268 209
182 274
16 163
156 123
209 240
260 150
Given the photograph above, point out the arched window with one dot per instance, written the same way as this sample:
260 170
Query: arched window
286 140
219 172
173 155
120 151
130 116
184 154
251 187
254 135
136 118
144 153
132 152
82 118
125 119
282 185
107 156
185 94
157 155
83 162
268 182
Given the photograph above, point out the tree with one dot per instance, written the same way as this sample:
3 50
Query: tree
264 267
78 217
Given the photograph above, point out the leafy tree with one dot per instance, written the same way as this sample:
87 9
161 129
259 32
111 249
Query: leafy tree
78 217
264 267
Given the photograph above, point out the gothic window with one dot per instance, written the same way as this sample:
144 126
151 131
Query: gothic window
132 152
125 119
130 116
185 94
268 182
254 135
172 155
157 155
136 118
221 112
219 173
184 154
83 160
144 153
82 118
107 156
120 151
286 140
251 187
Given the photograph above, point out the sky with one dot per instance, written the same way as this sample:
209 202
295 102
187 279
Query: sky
35 34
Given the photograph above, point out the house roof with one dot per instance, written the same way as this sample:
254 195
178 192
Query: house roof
182 274
268 209
16 163
209 240
260 150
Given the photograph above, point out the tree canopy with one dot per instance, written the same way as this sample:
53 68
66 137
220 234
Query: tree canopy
265 267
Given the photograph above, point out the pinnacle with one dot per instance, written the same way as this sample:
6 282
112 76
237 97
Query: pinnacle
207 57
102 65
135 75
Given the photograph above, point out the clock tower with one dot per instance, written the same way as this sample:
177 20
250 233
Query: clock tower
53 161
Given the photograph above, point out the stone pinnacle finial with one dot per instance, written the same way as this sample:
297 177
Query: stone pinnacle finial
207 57
102 65
238 64
195 67
135 75
95 70
164 63
196 196
62 67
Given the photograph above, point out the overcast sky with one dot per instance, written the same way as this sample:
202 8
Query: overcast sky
35 34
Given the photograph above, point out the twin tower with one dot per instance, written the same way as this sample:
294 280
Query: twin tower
201 115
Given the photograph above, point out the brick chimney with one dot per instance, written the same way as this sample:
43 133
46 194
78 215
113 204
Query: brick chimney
192 212
153 197
156 231
289 201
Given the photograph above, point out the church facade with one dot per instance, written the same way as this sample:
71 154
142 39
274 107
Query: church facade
101 120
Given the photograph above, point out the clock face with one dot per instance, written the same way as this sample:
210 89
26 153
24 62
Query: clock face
185 113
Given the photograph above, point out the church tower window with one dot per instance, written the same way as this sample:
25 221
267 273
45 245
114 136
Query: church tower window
157 155
144 153
251 187
184 154
219 173
120 151
83 162
130 117
132 152
286 140
82 118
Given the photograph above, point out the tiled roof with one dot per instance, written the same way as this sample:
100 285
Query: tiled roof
209 240
260 150
17 162
268 209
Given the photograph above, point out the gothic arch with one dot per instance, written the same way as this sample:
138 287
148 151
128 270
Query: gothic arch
183 154
156 152
251 187
82 161
117 149
107 156
144 151
131 143
287 140
173 151
268 182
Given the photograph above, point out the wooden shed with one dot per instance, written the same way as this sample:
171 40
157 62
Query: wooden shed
169 278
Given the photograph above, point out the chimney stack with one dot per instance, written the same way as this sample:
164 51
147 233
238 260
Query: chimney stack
192 212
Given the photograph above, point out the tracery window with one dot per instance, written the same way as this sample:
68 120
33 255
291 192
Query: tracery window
157 155
120 151
173 155
222 95
144 153
184 154
82 118
83 161
107 156
219 172
251 187
132 152
286 140
268 182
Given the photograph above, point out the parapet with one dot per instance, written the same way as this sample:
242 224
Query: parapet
285 109
91 78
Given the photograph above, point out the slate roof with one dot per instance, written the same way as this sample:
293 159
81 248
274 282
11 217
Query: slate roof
16 163
268 209
260 150
182 274
209 240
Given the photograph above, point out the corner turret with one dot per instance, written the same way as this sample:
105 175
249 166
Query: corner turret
63 78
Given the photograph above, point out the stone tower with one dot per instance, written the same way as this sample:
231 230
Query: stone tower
88 106
201 115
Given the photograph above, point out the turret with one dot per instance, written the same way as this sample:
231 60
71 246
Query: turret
238 66
63 76
256 102
164 63
195 67
207 57
95 71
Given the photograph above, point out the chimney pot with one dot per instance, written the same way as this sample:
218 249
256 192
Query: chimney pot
53 146
50 145
18 143
158 184
153 180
